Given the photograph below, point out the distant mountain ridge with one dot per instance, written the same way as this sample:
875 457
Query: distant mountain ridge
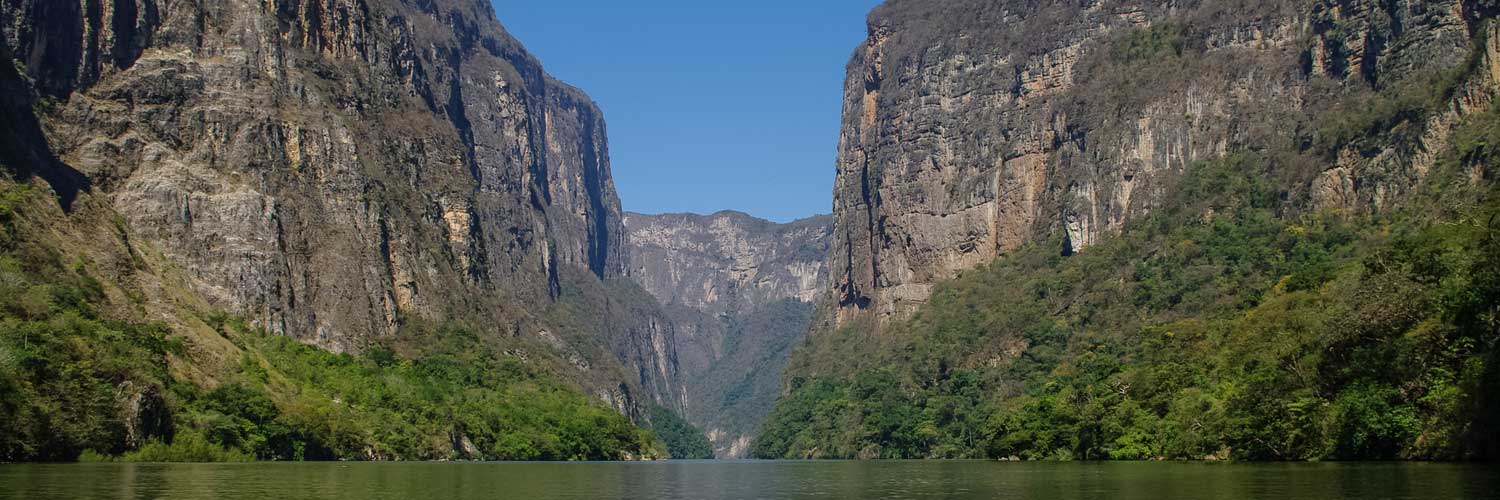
726 261
740 291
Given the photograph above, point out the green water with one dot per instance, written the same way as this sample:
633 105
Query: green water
751 480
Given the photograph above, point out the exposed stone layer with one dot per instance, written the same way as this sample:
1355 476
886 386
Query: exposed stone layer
971 127
739 290
728 261
334 169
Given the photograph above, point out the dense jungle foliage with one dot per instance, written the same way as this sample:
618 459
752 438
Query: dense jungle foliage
683 441
737 392
75 383
1226 325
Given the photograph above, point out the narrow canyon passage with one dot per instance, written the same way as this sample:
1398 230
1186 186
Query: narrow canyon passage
384 230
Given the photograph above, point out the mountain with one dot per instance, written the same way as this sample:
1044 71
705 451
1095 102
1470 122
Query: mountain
1126 229
728 261
364 176
971 128
740 291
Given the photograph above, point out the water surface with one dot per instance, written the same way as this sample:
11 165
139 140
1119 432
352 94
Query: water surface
751 480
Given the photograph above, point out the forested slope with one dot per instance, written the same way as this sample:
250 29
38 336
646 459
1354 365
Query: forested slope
1229 324
1135 230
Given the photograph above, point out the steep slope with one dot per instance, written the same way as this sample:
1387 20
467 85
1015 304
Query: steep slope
728 261
354 174
106 353
1212 329
973 127
1242 168
740 291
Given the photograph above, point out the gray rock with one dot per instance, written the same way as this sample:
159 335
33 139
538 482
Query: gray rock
972 127
728 261
335 169
739 291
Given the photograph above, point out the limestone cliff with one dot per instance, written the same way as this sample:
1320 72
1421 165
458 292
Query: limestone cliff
338 169
971 127
740 292
728 261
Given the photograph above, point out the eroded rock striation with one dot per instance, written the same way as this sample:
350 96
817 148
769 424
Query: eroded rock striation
971 127
740 291
728 261
337 169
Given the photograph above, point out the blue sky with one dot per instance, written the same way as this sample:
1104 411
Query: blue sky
711 105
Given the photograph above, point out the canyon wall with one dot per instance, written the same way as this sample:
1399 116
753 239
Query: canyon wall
728 261
972 127
339 170
740 291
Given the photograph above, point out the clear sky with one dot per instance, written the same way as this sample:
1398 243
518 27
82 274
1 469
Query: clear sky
711 105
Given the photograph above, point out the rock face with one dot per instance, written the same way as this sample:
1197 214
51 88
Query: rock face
740 292
335 169
971 127
729 261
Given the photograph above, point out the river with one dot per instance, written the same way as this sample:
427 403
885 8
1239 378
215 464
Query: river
736 480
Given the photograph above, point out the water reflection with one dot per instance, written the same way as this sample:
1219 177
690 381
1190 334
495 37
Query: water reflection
751 480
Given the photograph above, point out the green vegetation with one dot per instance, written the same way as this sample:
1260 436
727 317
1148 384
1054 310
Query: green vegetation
77 383
1236 321
740 389
1225 325
63 368
292 401
1150 43
1394 115
188 446
682 439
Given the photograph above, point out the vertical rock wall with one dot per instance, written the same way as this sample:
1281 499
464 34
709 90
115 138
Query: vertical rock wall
971 127
334 169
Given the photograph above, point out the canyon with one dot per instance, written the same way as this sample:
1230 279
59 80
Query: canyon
399 187
1138 230
971 128
347 173
359 174
740 293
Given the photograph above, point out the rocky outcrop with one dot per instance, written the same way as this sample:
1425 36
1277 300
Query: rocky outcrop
728 261
972 127
739 291
337 169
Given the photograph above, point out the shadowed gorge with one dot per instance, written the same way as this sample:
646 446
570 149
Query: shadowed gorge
740 292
